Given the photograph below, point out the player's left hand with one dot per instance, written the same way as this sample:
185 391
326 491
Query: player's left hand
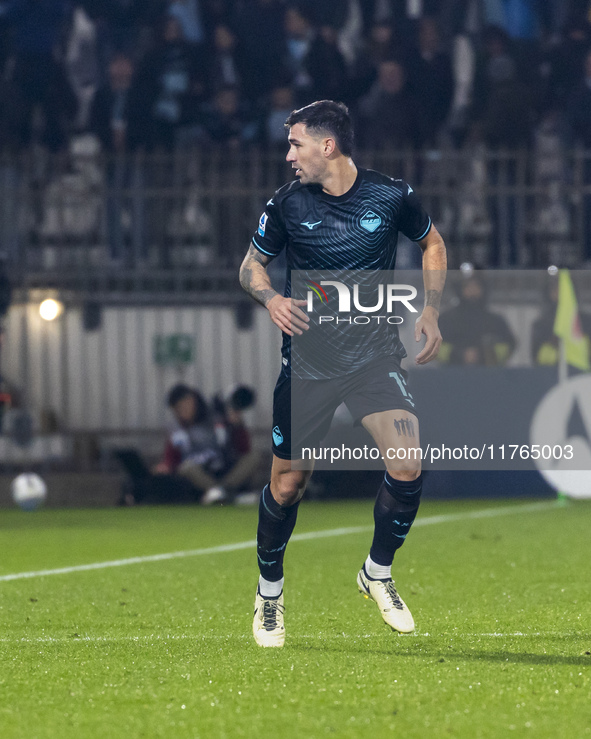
427 324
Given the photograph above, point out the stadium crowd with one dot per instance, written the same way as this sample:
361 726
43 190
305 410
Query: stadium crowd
152 73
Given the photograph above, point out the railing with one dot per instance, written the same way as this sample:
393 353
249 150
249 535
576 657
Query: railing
134 225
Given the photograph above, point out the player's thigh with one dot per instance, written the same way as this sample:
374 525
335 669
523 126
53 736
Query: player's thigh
288 484
396 433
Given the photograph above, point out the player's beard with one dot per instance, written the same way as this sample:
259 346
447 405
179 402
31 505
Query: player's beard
313 175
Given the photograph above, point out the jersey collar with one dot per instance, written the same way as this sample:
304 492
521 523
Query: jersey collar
346 195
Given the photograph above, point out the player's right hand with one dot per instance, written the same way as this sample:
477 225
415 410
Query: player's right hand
287 314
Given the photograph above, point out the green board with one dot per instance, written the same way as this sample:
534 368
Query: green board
174 349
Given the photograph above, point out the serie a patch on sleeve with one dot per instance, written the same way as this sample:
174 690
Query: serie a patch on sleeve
262 224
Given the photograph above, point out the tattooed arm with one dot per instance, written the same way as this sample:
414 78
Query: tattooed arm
284 312
254 278
434 272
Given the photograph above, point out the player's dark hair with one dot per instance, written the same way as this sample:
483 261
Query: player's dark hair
327 116
180 391
242 398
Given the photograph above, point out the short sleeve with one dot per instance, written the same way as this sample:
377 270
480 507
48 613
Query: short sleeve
414 222
271 234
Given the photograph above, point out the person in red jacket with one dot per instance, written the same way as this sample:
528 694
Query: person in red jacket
212 451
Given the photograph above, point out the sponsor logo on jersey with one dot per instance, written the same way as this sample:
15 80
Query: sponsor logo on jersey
262 224
370 221
277 436
309 225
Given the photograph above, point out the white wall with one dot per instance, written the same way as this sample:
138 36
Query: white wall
107 379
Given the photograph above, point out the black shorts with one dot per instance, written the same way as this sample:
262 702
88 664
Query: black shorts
378 386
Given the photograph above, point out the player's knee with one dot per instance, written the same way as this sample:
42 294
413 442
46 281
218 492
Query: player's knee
288 487
405 473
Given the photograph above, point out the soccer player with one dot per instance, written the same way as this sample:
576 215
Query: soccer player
339 216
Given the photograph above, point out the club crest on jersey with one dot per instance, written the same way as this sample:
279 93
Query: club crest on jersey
370 221
262 224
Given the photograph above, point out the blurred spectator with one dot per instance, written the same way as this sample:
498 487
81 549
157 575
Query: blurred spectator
192 450
507 124
523 19
504 113
4 36
299 34
379 45
502 104
317 66
431 80
115 120
171 86
209 67
579 107
114 112
394 13
38 84
169 90
124 26
389 116
327 12
224 60
381 42
259 26
472 334
214 466
508 114
228 121
82 63
188 15
241 462
326 66
282 104
36 25
566 62
579 119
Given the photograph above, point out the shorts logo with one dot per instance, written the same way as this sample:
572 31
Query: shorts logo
277 436
403 389
370 221
262 224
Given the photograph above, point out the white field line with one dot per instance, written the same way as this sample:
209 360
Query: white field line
152 638
428 521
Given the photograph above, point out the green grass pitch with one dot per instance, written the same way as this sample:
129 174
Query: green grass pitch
164 648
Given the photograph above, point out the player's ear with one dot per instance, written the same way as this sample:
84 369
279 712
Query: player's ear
330 146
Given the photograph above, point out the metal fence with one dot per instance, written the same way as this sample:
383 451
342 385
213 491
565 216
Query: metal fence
133 225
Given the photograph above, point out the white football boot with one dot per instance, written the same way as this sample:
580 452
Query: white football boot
393 609
267 626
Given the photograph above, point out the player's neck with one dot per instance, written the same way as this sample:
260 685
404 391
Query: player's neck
341 179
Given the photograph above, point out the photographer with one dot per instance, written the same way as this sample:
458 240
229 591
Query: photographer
213 453
241 461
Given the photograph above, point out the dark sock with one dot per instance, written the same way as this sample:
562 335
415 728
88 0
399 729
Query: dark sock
396 506
276 524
